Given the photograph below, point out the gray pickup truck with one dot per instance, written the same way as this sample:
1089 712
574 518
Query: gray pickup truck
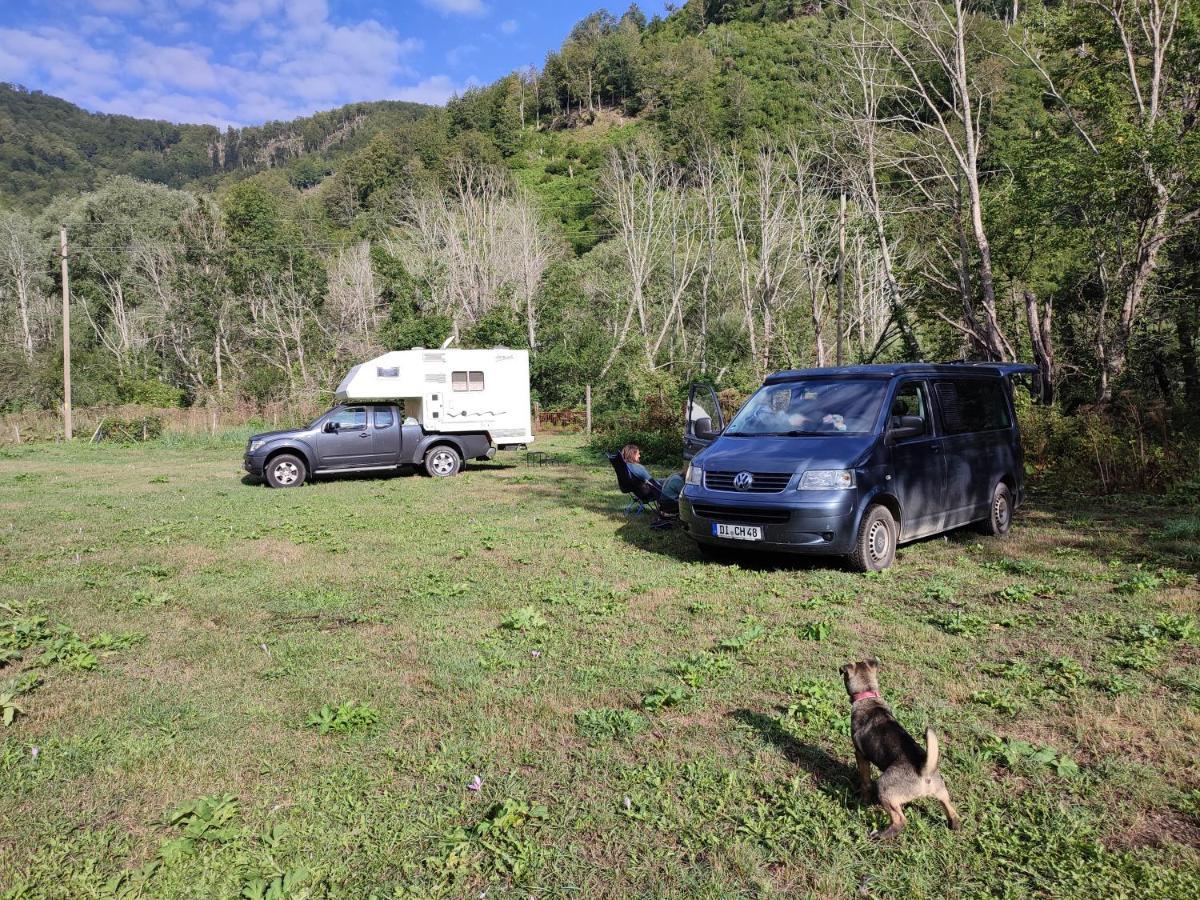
360 437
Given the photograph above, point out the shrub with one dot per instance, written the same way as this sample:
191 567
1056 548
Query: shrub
130 431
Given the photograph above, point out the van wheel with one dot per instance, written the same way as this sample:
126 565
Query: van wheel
875 546
999 519
286 470
442 461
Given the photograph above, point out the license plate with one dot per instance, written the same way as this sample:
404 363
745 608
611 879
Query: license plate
738 532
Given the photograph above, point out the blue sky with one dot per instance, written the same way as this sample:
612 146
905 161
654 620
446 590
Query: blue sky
242 62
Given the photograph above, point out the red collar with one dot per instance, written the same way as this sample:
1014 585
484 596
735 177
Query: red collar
863 695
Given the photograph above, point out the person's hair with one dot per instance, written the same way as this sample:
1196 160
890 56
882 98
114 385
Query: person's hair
628 451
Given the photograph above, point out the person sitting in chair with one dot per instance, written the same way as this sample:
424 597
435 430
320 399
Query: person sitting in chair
669 489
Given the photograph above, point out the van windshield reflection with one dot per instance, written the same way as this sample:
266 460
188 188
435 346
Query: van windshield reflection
813 407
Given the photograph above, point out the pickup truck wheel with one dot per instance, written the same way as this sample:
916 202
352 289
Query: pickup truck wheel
999 519
286 470
875 546
442 461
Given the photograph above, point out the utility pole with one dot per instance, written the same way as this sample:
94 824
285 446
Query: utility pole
66 331
841 272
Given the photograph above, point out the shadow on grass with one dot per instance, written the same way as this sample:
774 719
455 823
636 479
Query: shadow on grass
829 774
383 474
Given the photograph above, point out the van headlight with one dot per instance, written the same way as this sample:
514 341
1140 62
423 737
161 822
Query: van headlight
826 480
695 475
255 444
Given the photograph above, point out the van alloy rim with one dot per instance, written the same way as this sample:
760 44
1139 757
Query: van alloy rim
286 472
879 539
442 462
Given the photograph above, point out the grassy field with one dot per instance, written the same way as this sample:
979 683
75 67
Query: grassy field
220 690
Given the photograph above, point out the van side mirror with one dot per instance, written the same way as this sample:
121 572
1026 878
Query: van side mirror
331 427
908 427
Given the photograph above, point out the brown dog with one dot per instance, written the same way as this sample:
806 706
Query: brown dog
908 772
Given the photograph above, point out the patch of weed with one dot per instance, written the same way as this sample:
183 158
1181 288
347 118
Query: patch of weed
343 719
609 724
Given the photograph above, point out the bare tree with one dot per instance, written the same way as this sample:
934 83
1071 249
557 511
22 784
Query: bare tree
632 184
352 307
19 276
939 98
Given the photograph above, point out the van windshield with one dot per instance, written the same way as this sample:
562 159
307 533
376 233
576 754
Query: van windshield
822 406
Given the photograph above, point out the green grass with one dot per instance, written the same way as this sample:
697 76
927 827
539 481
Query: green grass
218 690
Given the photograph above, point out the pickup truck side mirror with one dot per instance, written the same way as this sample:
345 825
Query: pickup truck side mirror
331 427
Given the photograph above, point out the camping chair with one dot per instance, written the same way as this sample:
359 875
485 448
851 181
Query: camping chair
644 493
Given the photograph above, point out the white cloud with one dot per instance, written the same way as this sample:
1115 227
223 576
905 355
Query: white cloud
289 59
119 7
457 7
435 90
509 26
456 56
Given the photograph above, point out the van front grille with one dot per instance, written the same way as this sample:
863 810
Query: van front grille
742 515
762 483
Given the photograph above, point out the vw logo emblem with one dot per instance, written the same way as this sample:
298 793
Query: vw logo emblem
743 480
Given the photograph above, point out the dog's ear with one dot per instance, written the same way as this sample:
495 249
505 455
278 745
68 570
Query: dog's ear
846 668
873 664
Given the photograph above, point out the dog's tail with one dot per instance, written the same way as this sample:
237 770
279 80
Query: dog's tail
931 754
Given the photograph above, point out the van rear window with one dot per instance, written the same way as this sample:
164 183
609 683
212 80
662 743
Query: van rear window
976 404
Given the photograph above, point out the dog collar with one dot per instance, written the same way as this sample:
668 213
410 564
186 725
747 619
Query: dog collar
863 695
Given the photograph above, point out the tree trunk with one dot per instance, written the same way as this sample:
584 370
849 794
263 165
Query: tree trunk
1185 327
1043 347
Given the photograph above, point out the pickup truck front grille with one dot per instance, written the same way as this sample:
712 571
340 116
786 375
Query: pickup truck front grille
742 515
763 483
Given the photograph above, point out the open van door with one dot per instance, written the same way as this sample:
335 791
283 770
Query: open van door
703 420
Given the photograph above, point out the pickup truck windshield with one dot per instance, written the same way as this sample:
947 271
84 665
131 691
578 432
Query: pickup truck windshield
811 407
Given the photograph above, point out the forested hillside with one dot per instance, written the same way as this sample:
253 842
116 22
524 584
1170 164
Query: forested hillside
50 147
690 196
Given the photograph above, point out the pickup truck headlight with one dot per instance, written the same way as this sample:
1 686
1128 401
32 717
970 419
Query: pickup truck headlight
695 475
826 480
254 445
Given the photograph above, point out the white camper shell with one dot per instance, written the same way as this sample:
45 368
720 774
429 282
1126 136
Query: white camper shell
451 390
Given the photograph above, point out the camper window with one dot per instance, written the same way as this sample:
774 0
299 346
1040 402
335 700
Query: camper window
466 381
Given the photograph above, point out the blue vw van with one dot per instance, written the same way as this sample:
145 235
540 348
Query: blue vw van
853 461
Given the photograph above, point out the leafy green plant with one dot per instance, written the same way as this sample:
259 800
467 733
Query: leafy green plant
68 650
697 668
1138 657
1004 703
343 719
818 704
1139 583
609 723
664 695
503 838
526 618
1064 675
1116 685
743 639
208 819
1018 593
288 885
816 631
9 708
1014 753
939 591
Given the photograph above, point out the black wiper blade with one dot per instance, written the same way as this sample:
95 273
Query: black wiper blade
795 433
